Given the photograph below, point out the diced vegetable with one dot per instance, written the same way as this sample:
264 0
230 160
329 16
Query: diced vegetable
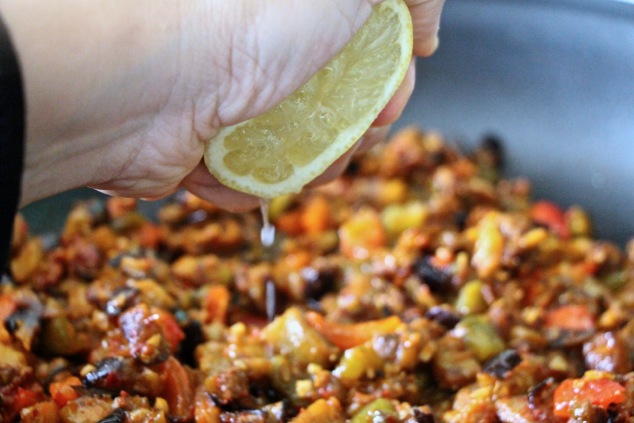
578 222
170 328
550 215
292 336
487 253
216 303
397 218
42 412
599 392
59 336
315 217
347 336
64 390
26 262
85 410
470 298
362 234
322 411
177 391
480 336
26 398
571 317
502 363
356 363
381 409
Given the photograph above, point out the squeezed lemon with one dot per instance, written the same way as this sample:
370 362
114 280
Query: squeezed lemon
282 150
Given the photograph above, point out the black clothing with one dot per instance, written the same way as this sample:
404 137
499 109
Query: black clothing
12 124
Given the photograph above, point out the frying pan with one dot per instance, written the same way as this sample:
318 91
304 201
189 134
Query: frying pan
554 79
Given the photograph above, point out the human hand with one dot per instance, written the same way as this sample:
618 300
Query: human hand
122 95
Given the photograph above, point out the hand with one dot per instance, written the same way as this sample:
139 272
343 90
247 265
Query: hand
121 95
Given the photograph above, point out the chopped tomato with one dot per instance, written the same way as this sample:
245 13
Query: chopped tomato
178 391
347 336
149 235
64 391
599 392
552 216
7 307
571 317
25 398
216 303
290 222
172 331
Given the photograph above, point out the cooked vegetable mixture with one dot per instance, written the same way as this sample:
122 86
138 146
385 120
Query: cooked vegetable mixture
418 287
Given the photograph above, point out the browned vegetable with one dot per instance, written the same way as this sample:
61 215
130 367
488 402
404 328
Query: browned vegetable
419 287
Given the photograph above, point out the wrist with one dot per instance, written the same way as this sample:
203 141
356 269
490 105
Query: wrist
90 74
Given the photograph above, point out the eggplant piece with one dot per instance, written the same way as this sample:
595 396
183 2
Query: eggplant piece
117 416
115 374
437 279
502 363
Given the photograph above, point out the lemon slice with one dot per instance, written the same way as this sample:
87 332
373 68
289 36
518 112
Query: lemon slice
282 150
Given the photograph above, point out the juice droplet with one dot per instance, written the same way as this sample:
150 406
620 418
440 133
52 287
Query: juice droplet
267 233
271 300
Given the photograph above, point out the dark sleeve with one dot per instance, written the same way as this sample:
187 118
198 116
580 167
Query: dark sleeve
11 141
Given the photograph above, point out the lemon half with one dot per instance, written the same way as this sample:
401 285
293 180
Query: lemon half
283 149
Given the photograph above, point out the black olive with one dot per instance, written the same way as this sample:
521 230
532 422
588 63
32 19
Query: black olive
97 210
422 417
22 317
437 279
116 260
502 363
259 390
492 147
122 298
117 416
460 218
437 158
106 371
318 282
353 168
613 414
564 338
443 315
193 337
540 394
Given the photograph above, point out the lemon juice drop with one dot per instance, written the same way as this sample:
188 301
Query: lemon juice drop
267 233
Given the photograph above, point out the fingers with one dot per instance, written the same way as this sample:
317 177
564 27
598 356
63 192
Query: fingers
204 185
426 19
372 137
395 106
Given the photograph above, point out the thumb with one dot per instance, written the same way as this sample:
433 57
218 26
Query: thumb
265 51
426 18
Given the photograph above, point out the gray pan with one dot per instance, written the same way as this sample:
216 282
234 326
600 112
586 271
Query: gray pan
552 78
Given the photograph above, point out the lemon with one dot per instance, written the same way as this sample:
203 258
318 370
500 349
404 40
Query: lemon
283 149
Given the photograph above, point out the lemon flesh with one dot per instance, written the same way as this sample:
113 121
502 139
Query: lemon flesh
285 148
